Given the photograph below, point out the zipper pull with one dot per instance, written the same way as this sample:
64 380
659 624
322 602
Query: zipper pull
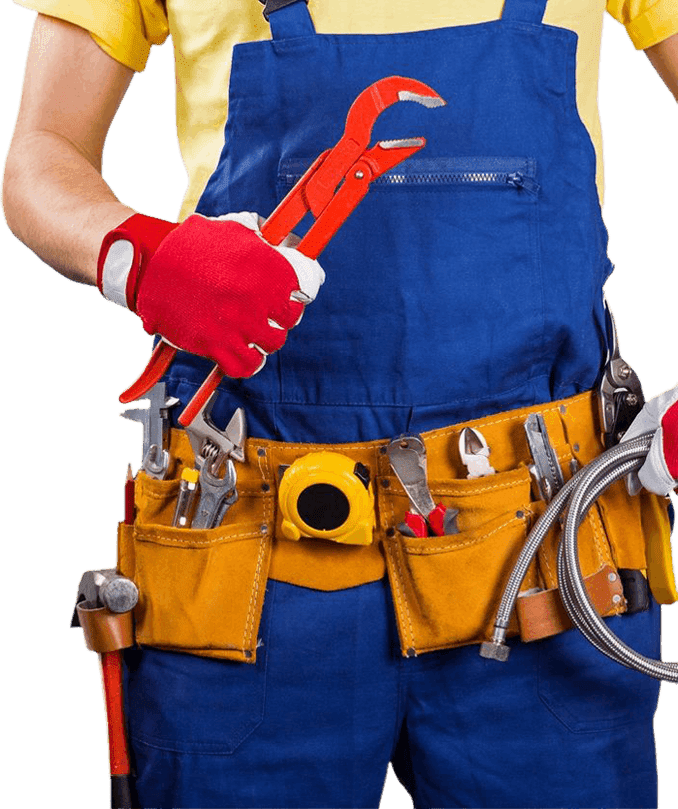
518 180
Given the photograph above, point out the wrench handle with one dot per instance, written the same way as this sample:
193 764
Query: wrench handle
201 396
271 231
160 361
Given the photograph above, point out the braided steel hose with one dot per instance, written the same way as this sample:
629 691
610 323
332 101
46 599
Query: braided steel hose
575 499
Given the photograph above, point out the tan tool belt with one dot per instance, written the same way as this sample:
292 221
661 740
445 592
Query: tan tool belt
201 591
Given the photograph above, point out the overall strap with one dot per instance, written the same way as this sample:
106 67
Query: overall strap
288 18
531 11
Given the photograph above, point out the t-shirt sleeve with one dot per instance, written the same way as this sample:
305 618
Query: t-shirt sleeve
647 21
124 29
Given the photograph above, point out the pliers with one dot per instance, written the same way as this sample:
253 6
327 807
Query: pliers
330 190
407 456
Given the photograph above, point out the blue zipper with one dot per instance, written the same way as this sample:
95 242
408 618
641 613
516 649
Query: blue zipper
513 172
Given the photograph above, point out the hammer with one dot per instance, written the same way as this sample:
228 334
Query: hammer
104 611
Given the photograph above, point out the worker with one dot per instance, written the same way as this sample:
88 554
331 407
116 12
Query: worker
275 672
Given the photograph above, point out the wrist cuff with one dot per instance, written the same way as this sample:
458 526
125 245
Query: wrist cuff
670 435
125 252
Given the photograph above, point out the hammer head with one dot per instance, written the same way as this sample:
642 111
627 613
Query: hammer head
105 588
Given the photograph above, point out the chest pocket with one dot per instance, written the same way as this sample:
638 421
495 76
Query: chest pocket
439 267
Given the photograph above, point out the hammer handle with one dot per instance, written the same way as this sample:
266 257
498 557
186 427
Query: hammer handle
121 775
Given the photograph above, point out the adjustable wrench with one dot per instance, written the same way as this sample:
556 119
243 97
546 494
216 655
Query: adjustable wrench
211 449
330 190
407 456
155 421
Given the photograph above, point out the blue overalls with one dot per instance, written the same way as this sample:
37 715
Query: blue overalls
468 281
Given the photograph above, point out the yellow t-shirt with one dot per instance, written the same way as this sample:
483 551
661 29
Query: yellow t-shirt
204 32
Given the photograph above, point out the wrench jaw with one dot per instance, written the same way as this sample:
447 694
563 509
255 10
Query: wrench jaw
229 443
423 99
386 154
384 93
340 162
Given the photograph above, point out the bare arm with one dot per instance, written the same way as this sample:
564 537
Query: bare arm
54 196
664 58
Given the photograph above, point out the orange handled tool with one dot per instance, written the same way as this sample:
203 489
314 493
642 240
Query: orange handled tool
330 190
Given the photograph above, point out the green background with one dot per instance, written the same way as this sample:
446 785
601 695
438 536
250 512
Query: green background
67 354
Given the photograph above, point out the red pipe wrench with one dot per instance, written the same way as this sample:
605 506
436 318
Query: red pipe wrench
330 189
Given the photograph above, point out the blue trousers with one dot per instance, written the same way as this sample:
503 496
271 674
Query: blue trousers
330 702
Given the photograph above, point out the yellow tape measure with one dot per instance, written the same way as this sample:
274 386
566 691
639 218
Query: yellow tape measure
326 495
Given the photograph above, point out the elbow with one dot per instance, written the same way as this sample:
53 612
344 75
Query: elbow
10 193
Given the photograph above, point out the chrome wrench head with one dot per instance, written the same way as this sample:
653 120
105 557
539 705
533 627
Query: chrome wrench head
229 443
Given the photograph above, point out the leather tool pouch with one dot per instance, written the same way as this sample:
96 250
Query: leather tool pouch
200 591
447 590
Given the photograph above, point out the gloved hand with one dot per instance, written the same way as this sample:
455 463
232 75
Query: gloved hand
213 287
659 473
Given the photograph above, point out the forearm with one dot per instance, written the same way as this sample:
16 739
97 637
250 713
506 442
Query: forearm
664 58
58 204
54 196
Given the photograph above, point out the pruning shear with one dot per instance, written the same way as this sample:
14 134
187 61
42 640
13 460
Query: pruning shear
620 393
330 190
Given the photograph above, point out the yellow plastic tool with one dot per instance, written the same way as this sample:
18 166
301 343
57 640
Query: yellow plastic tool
326 495
660 574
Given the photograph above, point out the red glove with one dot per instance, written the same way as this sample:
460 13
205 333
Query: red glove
659 473
213 287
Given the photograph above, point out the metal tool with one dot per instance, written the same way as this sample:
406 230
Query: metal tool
188 489
475 453
213 448
620 392
407 456
208 442
106 588
217 495
545 470
330 190
98 589
155 421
